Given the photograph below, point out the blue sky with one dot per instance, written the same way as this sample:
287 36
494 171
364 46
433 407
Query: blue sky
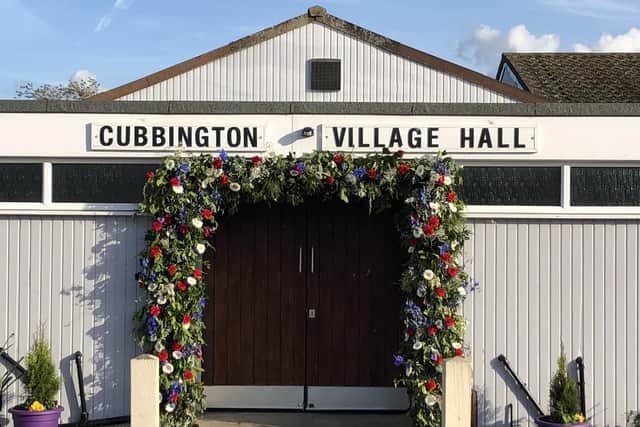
121 40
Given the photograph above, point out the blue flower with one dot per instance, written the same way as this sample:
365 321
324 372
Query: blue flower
398 360
360 172
223 156
344 166
203 302
445 248
184 168
196 315
182 214
144 263
153 277
215 196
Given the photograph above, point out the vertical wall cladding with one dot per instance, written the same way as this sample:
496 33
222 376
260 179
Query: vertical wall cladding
277 70
75 273
547 282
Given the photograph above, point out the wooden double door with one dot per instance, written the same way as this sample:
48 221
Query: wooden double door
304 310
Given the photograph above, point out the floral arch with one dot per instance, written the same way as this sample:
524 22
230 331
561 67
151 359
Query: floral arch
187 194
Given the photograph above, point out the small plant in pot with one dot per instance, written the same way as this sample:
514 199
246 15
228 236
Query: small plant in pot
564 401
41 383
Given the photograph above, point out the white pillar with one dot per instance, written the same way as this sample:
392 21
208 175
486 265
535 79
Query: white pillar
456 392
145 386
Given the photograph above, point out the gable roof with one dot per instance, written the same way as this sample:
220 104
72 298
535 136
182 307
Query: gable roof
319 14
577 77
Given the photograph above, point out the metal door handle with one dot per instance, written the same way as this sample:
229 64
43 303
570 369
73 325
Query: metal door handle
312 259
300 260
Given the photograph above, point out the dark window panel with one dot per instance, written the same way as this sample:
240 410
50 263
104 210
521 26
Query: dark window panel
325 74
99 183
528 186
605 186
21 182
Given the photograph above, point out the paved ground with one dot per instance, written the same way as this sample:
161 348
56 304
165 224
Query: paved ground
303 419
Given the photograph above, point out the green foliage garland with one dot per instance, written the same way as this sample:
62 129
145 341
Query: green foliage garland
186 195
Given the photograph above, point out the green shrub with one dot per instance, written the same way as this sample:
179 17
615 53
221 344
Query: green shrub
41 380
564 400
633 418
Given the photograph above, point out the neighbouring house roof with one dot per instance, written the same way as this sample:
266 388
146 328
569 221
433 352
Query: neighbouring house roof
577 77
319 15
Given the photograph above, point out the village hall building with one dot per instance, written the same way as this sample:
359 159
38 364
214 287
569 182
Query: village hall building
552 183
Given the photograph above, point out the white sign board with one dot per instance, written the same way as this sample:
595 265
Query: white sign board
198 137
430 139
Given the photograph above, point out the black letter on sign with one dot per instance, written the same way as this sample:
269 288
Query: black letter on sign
376 138
415 141
339 139
106 142
396 138
485 139
140 136
202 139
500 143
516 139
120 137
464 138
251 137
233 141
184 135
157 136
431 137
217 131
361 142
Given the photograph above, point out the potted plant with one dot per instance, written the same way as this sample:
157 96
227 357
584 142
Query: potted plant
564 401
41 383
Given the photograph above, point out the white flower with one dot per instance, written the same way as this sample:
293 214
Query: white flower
169 407
153 338
417 345
422 291
186 326
410 249
417 232
454 245
200 248
170 164
218 173
167 368
178 189
438 323
435 206
456 345
447 180
409 200
152 287
209 171
177 355
453 208
191 280
420 170
294 172
158 347
430 400
162 299
462 291
197 222
428 274
361 193
234 186
332 164
255 173
204 184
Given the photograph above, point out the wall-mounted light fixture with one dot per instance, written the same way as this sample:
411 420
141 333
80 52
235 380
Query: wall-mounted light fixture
307 132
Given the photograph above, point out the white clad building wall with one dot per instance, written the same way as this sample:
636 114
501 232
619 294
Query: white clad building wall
277 69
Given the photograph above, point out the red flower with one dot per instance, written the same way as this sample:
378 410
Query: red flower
175 182
403 169
431 385
167 219
434 221
155 251
451 323
224 180
184 228
432 330
411 332
181 285
446 257
188 375
176 346
150 175
217 163
438 359
156 225
256 160
338 158
163 356
440 180
400 153
459 352
453 272
141 285
372 173
206 213
413 242
205 231
173 398
186 319
441 293
428 229
451 196
197 273
172 269
330 180
154 310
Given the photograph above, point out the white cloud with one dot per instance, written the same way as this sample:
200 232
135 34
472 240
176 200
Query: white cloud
484 46
123 4
118 6
103 24
603 9
81 75
625 42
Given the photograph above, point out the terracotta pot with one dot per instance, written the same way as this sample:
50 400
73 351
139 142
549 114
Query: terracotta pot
544 422
24 418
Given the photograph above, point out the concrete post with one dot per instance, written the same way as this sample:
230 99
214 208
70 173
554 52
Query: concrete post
456 392
145 386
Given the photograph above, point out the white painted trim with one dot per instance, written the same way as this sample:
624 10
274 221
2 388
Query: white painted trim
357 399
47 183
565 190
552 212
254 397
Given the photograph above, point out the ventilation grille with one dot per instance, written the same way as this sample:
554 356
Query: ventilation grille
325 74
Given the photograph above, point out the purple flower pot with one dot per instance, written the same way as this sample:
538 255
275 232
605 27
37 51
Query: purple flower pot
544 422
24 418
